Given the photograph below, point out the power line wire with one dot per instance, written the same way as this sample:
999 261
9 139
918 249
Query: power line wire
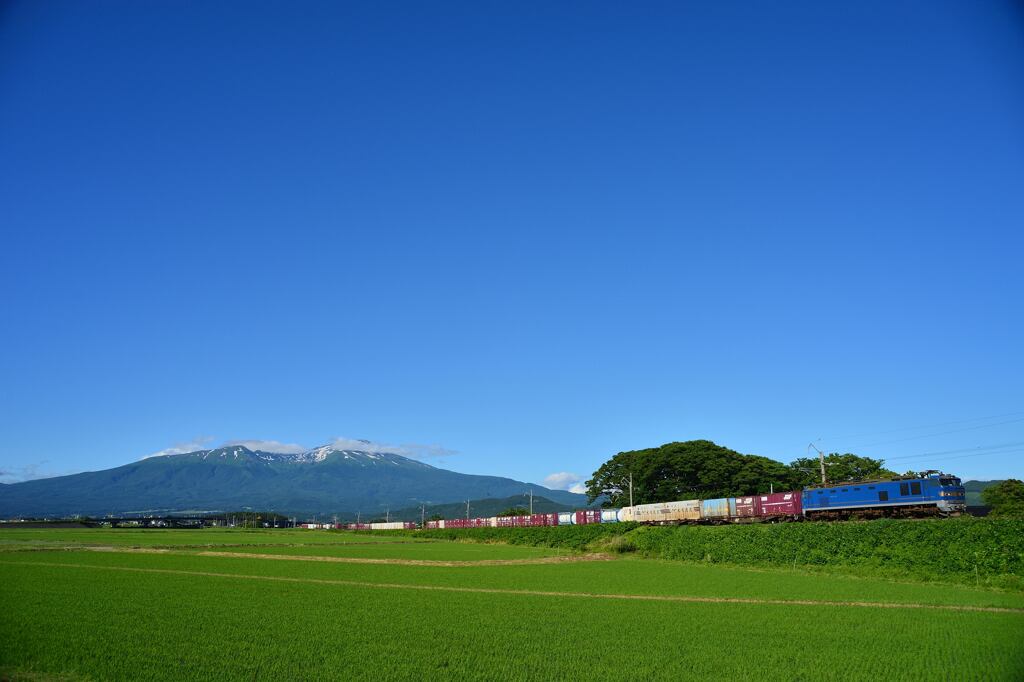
978 454
925 426
941 433
978 449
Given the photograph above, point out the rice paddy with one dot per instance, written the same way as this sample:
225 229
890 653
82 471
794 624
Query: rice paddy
283 605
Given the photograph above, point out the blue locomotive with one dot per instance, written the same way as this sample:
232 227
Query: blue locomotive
931 494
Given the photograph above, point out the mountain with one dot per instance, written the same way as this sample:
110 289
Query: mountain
974 489
322 480
484 508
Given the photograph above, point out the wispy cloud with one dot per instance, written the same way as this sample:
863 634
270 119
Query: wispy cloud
270 446
413 450
564 480
30 472
196 443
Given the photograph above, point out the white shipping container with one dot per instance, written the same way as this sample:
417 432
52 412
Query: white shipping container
394 525
609 515
662 512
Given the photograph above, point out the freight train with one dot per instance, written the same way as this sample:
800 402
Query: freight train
930 494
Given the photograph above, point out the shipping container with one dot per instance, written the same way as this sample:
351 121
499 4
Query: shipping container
392 525
564 518
609 515
586 516
662 512
460 523
745 507
780 505
544 520
715 510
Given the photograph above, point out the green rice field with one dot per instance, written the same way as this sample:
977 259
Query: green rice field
314 605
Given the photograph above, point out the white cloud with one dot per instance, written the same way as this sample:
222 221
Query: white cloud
270 446
413 450
196 443
564 480
580 488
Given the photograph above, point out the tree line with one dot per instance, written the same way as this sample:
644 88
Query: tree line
702 469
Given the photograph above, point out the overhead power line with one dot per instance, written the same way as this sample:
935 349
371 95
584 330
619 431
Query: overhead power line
941 433
977 454
980 449
924 426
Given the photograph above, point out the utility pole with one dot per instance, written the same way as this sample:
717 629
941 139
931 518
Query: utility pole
387 514
531 501
467 510
821 460
423 516
630 488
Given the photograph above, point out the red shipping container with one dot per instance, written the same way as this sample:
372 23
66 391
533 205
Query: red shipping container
781 504
748 506
545 519
588 516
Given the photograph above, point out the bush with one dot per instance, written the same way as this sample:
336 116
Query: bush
986 551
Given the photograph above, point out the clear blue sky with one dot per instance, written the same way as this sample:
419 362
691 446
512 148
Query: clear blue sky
535 234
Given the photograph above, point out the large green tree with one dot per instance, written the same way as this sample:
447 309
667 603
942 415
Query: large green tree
685 471
846 467
1006 498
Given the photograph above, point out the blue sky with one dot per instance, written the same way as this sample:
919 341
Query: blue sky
516 238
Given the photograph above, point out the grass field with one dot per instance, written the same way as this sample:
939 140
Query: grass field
291 605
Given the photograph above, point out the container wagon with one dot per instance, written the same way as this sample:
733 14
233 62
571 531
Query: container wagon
715 511
662 512
586 516
781 506
745 509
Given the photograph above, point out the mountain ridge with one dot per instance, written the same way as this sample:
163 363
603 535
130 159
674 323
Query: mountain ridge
320 480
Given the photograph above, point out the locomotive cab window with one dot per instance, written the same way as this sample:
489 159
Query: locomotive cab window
904 489
883 496
915 488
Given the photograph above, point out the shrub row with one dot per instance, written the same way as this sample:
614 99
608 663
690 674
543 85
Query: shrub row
576 538
968 550
984 551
